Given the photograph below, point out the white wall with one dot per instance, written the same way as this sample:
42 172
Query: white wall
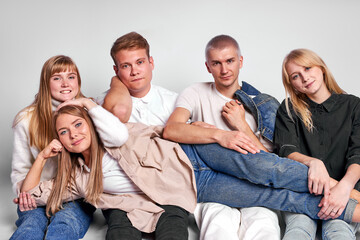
33 31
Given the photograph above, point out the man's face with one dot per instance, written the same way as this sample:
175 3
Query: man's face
224 65
134 68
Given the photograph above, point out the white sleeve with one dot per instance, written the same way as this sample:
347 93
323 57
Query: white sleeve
188 99
22 157
111 130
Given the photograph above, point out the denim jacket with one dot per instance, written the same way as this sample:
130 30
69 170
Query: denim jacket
263 107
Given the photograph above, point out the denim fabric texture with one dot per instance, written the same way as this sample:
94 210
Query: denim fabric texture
247 180
301 227
263 107
71 222
31 225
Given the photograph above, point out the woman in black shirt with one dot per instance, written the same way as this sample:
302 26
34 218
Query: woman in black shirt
319 126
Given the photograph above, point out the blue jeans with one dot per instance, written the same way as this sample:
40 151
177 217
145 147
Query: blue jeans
248 180
301 227
71 222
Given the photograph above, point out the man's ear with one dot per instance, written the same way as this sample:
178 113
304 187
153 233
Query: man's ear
207 67
151 61
241 61
115 69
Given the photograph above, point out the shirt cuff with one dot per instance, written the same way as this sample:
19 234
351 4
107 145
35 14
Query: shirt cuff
286 150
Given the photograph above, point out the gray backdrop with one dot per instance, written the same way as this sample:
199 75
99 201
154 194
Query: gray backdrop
33 31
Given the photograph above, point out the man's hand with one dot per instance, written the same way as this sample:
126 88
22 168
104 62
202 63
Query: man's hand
237 141
25 202
234 113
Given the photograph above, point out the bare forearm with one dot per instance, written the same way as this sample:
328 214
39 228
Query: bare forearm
118 100
190 134
34 174
352 176
255 139
300 158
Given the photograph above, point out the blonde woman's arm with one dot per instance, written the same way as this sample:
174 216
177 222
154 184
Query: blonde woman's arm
33 177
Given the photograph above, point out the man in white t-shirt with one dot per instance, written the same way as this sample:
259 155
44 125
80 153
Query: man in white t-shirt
216 117
132 98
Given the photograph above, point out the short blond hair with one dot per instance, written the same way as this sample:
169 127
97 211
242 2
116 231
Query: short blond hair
221 42
129 41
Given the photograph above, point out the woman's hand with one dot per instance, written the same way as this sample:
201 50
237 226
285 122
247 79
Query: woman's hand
51 150
25 202
340 193
339 197
318 178
82 102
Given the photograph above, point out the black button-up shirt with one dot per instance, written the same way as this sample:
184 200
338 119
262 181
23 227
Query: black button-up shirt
335 138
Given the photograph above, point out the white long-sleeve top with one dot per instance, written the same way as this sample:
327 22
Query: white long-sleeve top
24 155
112 132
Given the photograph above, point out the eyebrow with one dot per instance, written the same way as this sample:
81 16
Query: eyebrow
71 123
293 74
58 74
144 58
218 61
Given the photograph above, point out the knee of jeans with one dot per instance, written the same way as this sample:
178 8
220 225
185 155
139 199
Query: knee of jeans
73 217
299 225
36 218
338 229
290 217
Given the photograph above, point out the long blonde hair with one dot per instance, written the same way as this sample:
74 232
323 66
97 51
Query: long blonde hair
306 58
68 163
40 127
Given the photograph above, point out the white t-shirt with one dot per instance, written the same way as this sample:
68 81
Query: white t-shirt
112 133
153 109
205 103
115 181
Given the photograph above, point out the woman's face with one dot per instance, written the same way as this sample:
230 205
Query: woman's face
64 85
74 133
307 80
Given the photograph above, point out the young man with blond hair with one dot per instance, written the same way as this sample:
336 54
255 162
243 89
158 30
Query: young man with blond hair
133 98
